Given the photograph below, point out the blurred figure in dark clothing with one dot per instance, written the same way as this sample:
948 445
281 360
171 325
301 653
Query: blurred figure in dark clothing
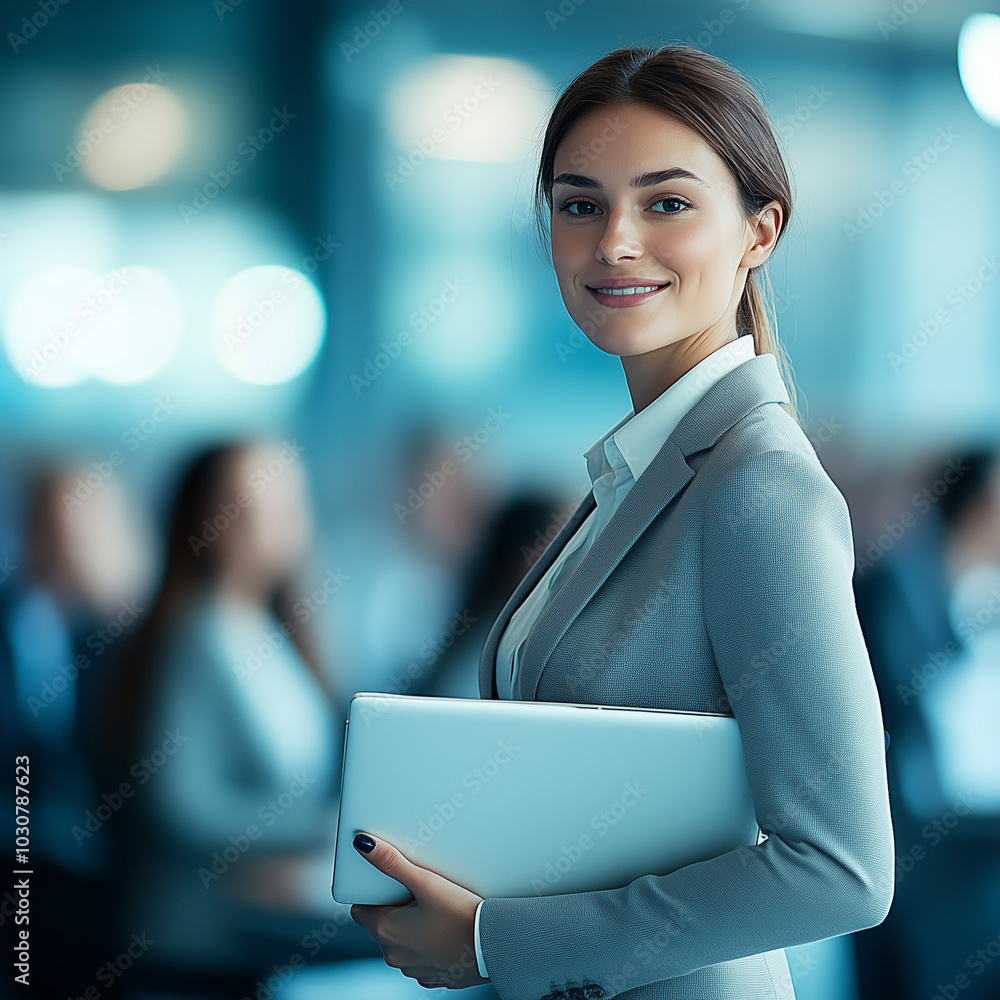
76 589
945 847
516 536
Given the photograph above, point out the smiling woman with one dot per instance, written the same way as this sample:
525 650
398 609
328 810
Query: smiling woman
713 547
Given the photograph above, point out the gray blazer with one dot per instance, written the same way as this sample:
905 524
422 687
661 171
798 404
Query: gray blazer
721 583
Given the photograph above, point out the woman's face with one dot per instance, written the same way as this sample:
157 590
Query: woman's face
272 531
684 234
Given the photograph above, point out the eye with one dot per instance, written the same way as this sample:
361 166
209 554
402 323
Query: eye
676 201
565 206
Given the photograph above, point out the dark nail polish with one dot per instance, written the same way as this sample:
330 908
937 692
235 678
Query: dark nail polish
364 843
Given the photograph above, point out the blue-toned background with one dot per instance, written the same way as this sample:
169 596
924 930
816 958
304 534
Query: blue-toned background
308 227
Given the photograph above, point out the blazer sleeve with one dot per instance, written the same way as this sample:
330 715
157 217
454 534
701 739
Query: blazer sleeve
778 559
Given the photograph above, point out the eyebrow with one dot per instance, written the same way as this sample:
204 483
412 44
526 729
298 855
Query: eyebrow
643 180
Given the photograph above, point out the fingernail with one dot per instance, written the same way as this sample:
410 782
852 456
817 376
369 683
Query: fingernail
364 843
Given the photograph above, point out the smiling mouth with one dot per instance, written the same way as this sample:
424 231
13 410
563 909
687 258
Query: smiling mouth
634 290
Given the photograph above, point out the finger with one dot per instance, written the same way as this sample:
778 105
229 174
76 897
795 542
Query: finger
392 862
366 915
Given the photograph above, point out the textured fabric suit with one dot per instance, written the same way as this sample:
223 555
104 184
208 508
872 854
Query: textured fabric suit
721 583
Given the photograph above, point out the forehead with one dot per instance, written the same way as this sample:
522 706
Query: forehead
615 144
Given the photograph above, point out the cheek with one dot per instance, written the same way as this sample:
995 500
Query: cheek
569 249
701 256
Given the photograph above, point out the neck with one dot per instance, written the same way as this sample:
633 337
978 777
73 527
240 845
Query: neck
649 375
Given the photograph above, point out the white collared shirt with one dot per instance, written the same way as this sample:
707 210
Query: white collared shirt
614 462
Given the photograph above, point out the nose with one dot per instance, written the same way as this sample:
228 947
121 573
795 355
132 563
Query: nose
620 239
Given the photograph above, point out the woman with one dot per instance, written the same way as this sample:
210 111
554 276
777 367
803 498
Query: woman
714 555
220 721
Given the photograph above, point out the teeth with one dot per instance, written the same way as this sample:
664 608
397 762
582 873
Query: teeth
628 291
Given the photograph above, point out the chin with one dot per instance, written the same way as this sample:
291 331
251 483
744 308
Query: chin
626 344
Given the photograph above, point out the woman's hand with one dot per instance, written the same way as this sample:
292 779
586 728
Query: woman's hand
431 938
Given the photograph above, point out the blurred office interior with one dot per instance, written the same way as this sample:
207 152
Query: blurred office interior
286 252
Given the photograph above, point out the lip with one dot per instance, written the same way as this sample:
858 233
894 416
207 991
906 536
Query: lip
626 301
626 282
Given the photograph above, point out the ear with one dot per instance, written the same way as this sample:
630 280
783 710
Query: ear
765 232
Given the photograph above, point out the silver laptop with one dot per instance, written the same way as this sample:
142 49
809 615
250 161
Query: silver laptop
522 798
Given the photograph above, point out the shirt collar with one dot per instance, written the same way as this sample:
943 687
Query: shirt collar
636 438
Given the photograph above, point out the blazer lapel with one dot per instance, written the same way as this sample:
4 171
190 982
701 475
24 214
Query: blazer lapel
487 659
734 395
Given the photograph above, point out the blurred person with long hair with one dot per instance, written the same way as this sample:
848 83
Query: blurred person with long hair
220 721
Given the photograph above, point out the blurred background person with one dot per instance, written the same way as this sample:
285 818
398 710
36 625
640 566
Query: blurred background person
929 606
71 596
220 716
514 537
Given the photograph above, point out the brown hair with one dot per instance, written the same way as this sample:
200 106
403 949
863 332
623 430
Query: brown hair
714 100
